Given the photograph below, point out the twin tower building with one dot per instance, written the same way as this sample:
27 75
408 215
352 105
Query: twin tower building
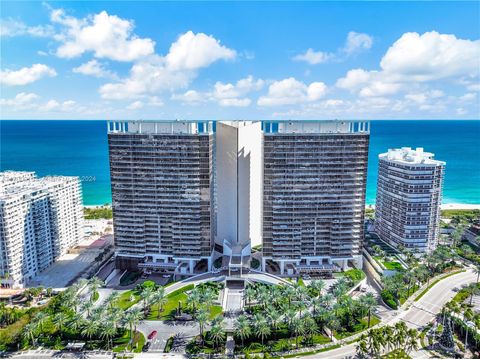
185 194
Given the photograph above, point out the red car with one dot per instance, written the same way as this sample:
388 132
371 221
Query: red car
152 335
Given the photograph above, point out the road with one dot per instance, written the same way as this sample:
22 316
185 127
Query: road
418 315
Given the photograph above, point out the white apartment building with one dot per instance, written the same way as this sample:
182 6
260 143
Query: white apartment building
409 195
40 219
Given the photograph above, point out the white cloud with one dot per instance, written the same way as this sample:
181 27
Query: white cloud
190 97
135 105
291 91
11 28
21 99
56 106
147 77
225 94
357 42
233 95
471 96
193 51
432 56
314 57
413 60
26 75
107 36
174 71
94 68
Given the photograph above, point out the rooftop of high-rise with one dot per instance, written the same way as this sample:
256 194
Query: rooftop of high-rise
407 155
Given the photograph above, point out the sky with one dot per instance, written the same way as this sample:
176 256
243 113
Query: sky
239 60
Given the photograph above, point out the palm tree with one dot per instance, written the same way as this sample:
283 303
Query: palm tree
250 294
108 332
29 332
318 285
297 328
146 295
362 349
333 324
87 307
370 303
59 320
90 328
76 322
112 299
160 298
412 340
310 327
263 329
274 317
202 319
242 328
217 333
40 319
193 300
94 283
132 318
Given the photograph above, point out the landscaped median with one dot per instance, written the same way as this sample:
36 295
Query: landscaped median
435 282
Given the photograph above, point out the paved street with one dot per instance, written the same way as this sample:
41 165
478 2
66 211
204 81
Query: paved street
417 315
165 330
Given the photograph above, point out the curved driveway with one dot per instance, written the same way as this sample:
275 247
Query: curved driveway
418 315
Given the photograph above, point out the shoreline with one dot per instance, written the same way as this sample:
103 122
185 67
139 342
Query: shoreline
465 206
445 206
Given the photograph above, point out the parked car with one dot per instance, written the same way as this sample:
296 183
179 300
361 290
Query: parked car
152 335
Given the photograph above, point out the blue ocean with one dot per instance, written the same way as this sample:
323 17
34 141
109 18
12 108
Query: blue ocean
80 148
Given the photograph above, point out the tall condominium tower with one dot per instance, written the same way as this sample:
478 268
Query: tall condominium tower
40 219
162 193
239 168
314 193
409 194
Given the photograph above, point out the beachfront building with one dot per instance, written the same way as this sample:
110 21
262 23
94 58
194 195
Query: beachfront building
239 183
409 195
162 194
314 194
40 220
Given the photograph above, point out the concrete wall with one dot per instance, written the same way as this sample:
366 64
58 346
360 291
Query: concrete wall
239 166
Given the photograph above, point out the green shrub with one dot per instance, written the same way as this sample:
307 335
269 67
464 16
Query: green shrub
389 299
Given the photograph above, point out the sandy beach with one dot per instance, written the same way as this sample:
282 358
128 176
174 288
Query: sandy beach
460 206
445 206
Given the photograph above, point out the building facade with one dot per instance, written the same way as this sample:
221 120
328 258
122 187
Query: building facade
409 195
239 186
314 194
40 220
162 194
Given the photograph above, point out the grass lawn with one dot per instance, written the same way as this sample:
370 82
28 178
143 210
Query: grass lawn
357 327
120 344
173 299
124 300
393 266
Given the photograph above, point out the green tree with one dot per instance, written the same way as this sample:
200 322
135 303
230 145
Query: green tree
202 319
60 319
297 328
242 328
132 318
217 333
369 302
